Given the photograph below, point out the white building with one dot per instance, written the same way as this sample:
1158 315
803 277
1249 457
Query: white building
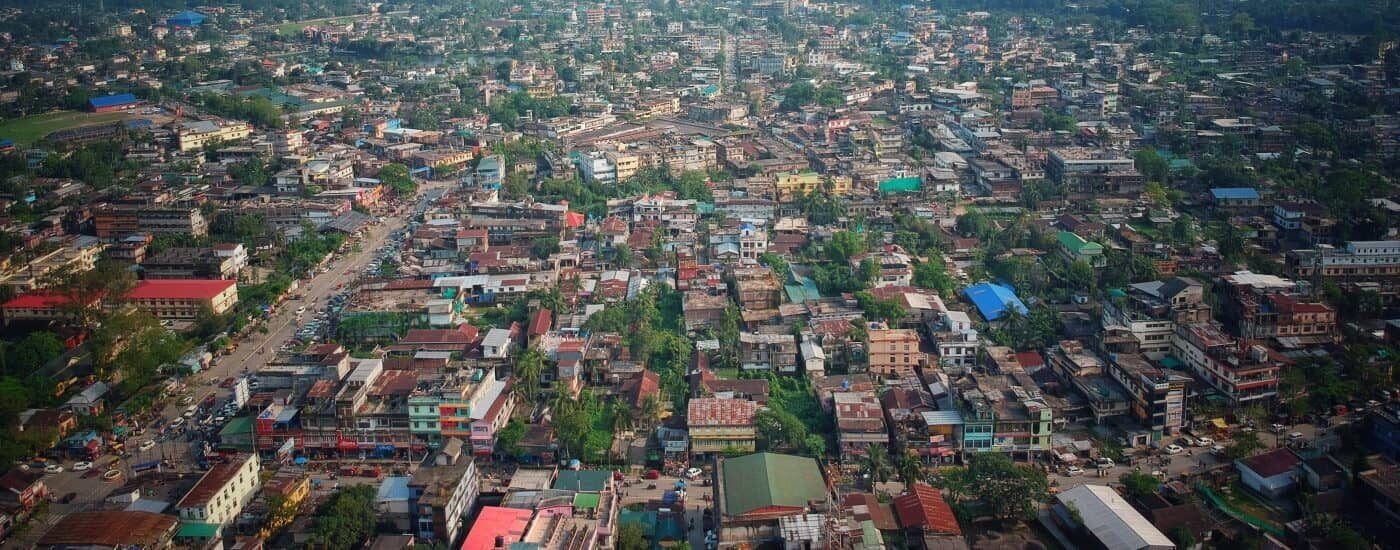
222 492
1109 519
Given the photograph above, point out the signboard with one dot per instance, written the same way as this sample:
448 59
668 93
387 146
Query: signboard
285 451
241 392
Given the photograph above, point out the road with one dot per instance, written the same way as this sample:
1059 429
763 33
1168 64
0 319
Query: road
248 355
695 502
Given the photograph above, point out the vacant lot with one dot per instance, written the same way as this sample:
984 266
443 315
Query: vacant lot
27 130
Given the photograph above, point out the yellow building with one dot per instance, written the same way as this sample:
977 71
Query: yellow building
290 488
721 425
626 164
894 353
794 184
193 136
184 299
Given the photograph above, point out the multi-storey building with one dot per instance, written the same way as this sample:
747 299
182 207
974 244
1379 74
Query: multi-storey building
1003 413
193 136
222 492
1090 173
118 220
774 352
1157 396
1085 371
1244 374
1149 310
860 424
895 353
721 425
184 299
1356 262
1265 307
441 493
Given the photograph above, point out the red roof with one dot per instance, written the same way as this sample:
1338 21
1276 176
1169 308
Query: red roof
923 507
1272 463
712 411
176 289
36 300
574 219
1030 359
541 322
493 521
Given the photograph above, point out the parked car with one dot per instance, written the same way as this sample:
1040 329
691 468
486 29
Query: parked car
53 469
1205 442
1074 471
1173 449
1295 436
82 466
693 473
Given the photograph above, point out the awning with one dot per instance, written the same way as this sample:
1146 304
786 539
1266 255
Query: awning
1219 423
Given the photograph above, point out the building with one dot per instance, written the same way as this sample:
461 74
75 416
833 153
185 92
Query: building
184 299
222 492
895 353
193 136
21 491
110 529
994 300
496 527
1003 413
1094 173
1272 474
721 425
1266 307
196 263
442 493
1356 262
1380 487
119 220
1100 518
775 352
1075 249
113 103
41 307
923 513
754 492
1149 310
1243 373
860 424
1235 197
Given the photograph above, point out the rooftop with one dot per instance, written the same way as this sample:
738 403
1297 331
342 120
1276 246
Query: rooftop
138 529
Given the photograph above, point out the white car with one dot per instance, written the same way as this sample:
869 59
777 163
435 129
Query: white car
147 444
1174 449
693 473
53 469
1295 435
1204 442
82 466
1073 471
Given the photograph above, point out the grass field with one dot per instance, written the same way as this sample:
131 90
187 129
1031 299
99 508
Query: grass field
27 130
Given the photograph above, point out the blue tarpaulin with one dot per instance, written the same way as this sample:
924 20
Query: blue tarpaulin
992 300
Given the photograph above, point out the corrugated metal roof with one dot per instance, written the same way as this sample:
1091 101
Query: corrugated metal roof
1111 519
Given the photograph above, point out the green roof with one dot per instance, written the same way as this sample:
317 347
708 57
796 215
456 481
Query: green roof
582 480
586 501
768 479
238 425
197 530
901 185
1076 244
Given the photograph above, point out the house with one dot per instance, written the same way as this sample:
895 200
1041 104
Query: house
1235 197
95 530
221 493
924 514
112 103
994 300
860 424
90 401
1379 486
755 491
1272 474
1074 249
721 425
774 352
1097 515
20 490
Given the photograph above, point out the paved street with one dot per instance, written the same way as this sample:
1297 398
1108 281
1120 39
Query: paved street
695 502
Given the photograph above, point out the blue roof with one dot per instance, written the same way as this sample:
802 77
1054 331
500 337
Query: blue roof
993 299
187 19
393 488
1238 193
108 101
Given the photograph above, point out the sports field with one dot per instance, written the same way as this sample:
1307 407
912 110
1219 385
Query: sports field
27 130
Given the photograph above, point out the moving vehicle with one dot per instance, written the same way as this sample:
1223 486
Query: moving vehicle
1073 471
693 473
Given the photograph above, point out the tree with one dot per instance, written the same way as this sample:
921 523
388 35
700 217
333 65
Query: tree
1152 165
542 247
1244 445
650 411
346 520
887 310
877 464
1139 484
911 470
844 245
933 274
620 416
396 178
85 291
529 366
1004 489
33 352
631 537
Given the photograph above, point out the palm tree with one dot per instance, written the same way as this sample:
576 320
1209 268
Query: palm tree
651 411
528 368
621 416
877 464
911 470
